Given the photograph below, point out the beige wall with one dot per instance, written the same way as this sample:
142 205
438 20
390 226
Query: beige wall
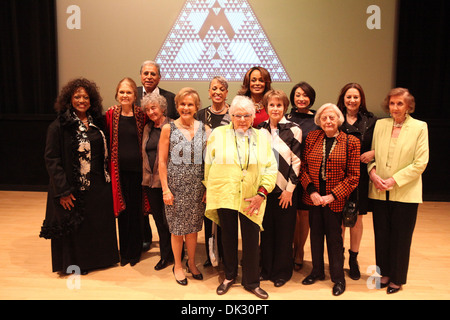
323 42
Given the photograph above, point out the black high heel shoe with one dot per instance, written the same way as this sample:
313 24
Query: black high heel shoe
182 282
195 276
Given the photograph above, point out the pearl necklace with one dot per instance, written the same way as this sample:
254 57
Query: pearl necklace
218 112
398 125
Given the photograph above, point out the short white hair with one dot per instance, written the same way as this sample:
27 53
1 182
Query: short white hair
336 110
243 102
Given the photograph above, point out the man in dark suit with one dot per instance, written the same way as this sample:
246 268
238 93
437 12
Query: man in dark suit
150 77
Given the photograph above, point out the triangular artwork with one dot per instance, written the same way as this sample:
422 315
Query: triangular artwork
217 38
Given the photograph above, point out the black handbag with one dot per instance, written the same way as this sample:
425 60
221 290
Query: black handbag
351 210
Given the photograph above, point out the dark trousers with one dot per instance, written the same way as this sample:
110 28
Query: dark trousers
131 220
276 240
250 247
155 197
148 235
393 224
325 223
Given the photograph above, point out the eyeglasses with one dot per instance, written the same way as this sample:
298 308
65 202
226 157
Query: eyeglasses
245 116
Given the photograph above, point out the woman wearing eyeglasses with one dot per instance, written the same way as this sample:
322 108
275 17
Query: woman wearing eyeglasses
329 173
240 170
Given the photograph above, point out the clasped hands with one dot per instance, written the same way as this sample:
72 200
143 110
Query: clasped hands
381 184
319 200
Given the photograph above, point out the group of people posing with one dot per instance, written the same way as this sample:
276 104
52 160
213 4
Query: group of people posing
280 176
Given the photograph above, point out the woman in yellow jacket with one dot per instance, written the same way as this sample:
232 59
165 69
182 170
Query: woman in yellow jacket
401 156
240 170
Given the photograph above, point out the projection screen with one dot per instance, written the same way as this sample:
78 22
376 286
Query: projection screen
326 43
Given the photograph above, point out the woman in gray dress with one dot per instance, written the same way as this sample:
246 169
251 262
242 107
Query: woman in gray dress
181 172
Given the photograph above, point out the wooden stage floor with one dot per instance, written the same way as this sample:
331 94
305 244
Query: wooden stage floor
26 267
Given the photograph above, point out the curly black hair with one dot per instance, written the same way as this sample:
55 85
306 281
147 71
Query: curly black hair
63 102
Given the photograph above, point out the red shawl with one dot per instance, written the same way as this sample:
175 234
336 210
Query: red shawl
112 124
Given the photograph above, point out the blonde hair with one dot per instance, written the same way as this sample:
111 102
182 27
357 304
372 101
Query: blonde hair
188 92
275 94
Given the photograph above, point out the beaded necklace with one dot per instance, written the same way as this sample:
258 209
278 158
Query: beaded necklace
323 169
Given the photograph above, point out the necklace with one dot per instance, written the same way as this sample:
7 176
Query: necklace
185 126
398 124
258 106
218 112
244 171
324 159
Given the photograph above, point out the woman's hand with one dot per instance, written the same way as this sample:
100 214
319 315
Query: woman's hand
377 181
319 200
389 183
285 199
329 198
67 202
368 156
255 204
168 198
316 198
204 197
381 184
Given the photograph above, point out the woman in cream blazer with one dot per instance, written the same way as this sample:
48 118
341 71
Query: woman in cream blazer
401 156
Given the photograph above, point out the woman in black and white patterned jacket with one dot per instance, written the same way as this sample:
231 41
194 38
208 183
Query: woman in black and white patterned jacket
280 216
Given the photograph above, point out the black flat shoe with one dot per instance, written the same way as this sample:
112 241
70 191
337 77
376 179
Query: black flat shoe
311 279
134 261
338 288
181 282
163 263
391 290
223 288
260 293
195 276
279 283
207 263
